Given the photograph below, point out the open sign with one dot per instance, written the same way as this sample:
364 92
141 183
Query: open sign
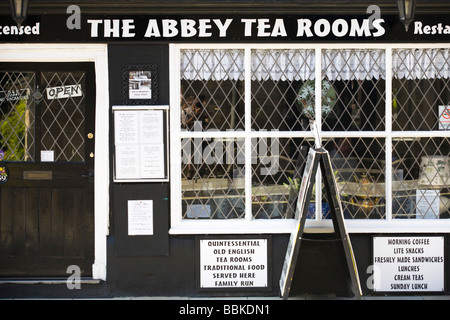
64 92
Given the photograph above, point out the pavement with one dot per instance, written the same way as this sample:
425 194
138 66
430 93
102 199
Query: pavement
218 299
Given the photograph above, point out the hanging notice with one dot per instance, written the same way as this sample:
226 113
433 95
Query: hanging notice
408 264
427 204
444 117
140 152
140 217
233 263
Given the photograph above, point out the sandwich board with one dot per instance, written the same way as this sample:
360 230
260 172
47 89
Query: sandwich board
317 157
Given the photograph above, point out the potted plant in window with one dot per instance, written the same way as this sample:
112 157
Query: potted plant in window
294 187
306 98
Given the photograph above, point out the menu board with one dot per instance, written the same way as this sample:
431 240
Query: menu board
233 263
408 264
140 135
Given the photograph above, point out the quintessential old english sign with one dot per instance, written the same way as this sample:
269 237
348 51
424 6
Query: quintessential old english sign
233 263
221 28
408 264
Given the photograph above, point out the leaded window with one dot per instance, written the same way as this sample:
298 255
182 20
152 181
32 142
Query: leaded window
243 121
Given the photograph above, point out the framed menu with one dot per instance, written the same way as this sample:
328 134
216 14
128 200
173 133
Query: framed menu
140 141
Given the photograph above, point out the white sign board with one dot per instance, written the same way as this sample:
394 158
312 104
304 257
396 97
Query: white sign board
233 263
444 117
139 145
140 217
408 264
64 92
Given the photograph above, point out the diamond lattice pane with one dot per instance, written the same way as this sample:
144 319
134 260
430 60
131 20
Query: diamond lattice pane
359 167
276 174
212 89
213 178
353 90
277 76
420 85
63 121
421 178
17 115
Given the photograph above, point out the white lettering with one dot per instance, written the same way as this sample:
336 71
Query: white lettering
304 27
380 29
248 26
279 29
222 27
340 27
188 28
263 25
111 29
420 28
152 29
322 28
169 28
94 27
364 29
127 25
203 26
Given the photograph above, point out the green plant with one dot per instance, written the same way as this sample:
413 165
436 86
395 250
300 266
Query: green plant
12 131
306 98
294 185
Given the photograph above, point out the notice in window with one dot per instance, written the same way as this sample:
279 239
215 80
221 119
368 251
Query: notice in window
444 117
427 203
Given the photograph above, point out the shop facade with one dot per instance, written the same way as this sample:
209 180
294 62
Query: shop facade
159 152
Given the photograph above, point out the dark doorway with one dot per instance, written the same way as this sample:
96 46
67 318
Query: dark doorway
47 139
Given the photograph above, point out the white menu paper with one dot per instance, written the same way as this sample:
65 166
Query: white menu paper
139 142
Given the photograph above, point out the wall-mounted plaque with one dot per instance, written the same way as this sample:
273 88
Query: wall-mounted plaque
140 85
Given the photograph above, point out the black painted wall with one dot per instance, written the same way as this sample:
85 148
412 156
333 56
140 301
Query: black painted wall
163 265
166 265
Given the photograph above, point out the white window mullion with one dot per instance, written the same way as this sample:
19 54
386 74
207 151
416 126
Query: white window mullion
388 140
248 137
175 143
318 140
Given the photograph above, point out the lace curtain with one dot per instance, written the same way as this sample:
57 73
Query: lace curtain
290 65
421 63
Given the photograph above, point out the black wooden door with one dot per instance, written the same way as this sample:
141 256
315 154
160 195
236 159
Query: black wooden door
47 168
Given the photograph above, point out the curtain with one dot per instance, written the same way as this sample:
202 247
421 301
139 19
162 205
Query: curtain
421 63
337 64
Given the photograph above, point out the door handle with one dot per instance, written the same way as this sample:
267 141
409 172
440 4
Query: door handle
89 175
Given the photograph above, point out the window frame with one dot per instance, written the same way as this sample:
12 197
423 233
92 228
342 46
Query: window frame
248 225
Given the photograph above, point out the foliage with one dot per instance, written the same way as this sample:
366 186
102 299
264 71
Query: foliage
306 98
12 130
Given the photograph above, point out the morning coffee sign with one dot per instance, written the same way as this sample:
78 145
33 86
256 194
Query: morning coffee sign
408 264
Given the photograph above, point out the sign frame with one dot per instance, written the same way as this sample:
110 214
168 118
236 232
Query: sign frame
318 157
131 76
444 250
164 134
268 238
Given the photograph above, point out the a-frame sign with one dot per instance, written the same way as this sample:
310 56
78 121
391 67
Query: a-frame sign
316 157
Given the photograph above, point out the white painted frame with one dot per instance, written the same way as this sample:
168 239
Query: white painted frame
98 54
252 226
